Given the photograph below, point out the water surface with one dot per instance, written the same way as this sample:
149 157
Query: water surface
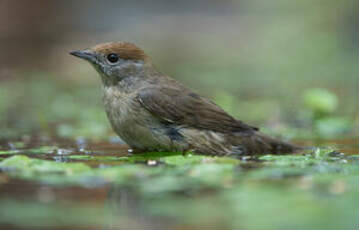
62 184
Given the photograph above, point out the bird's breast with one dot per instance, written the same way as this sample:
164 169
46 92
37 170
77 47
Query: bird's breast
118 106
131 121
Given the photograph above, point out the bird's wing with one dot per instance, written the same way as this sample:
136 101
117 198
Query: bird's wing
184 107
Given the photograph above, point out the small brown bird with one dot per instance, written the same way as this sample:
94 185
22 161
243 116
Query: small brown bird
153 112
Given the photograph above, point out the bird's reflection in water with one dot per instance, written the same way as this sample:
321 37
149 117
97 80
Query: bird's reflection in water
127 210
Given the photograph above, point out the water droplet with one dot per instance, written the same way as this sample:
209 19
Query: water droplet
151 162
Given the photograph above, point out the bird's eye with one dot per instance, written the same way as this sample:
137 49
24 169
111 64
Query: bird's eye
113 58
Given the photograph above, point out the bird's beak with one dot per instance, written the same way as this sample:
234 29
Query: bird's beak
84 54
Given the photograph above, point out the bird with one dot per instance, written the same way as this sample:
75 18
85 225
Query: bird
151 111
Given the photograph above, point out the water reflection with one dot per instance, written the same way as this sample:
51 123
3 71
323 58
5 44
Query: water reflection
93 205
127 210
107 207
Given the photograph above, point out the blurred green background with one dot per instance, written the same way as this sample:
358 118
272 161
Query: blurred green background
290 67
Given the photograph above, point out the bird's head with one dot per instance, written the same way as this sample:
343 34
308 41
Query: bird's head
115 61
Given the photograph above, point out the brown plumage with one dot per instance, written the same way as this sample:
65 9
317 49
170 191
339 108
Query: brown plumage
187 108
125 50
151 111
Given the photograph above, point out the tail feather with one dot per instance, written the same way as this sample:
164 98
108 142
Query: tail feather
260 143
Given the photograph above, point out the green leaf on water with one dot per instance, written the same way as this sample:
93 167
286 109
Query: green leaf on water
21 163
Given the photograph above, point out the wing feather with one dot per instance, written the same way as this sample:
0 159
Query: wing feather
186 108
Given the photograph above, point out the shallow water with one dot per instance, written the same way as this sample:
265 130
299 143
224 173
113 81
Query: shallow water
171 191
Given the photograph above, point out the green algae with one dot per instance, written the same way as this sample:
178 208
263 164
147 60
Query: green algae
29 166
8 152
39 150
95 158
171 168
79 173
268 192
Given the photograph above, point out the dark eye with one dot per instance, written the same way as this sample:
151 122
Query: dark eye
112 58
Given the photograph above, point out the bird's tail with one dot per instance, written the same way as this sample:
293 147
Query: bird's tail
260 143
